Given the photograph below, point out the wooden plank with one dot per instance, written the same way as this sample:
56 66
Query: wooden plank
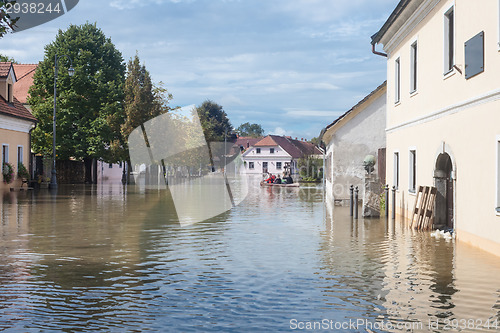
414 211
423 205
429 210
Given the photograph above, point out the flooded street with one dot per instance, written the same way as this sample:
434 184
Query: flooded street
109 258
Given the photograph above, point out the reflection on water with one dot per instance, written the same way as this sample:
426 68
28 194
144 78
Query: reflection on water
117 259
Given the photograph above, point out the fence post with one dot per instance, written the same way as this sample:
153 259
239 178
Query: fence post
393 202
356 203
351 203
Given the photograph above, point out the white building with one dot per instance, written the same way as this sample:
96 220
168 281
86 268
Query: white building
349 139
277 154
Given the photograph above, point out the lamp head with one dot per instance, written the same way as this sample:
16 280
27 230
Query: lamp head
71 71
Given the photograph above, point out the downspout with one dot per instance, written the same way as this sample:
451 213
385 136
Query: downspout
378 53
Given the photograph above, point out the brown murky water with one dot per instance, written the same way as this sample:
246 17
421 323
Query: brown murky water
109 258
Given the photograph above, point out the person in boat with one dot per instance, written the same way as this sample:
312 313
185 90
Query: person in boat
289 179
270 179
277 180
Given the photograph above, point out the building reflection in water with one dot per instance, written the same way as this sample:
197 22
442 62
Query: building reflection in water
408 275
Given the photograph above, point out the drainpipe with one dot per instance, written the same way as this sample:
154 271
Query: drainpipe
378 53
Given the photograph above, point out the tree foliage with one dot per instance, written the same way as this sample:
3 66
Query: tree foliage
252 130
4 58
214 121
89 104
7 21
310 168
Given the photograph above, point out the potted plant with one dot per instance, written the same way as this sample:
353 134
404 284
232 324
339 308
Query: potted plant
7 172
22 172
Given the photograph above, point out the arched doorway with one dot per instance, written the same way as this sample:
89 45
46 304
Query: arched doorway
443 179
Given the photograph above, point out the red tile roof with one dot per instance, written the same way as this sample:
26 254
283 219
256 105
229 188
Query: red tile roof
5 69
24 73
16 109
294 148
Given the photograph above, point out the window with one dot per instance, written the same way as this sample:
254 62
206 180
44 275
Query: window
120 164
20 154
110 165
271 150
264 165
258 150
396 169
449 41
9 93
413 69
251 165
278 165
413 171
397 83
5 153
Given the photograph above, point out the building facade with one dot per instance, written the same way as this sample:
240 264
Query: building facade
443 119
276 155
16 123
349 139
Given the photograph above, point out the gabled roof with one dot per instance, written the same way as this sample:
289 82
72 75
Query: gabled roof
24 73
381 87
390 21
266 142
15 109
294 148
247 140
5 68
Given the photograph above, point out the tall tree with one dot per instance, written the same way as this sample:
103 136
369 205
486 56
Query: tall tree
143 101
214 121
89 104
7 21
253 130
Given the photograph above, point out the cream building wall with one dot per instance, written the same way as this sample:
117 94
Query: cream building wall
14 133
448 114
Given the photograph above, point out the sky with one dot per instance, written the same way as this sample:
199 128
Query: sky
292 66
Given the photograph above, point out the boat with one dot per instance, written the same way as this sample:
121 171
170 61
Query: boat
262 183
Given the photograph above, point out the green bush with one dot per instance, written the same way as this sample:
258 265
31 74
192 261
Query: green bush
7 172
22 172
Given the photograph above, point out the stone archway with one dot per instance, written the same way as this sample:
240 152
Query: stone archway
443 181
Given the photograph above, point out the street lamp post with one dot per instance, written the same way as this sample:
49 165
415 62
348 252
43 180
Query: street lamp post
71 71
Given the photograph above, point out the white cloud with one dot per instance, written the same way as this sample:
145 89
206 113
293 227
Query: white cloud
279 131
311 113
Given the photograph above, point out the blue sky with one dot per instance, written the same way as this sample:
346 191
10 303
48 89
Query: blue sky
292 66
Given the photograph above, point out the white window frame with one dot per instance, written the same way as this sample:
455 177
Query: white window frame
446 40
271 150
279 165
257 150
412 169
414 67
21 159
497 203
397 162
397 80
5 157
251 165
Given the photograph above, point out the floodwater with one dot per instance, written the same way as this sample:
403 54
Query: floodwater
115 259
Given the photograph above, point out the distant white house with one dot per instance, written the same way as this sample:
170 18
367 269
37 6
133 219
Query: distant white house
276 154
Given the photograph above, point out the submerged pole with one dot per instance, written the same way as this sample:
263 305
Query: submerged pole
351 204
387 201
394 202
356 203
